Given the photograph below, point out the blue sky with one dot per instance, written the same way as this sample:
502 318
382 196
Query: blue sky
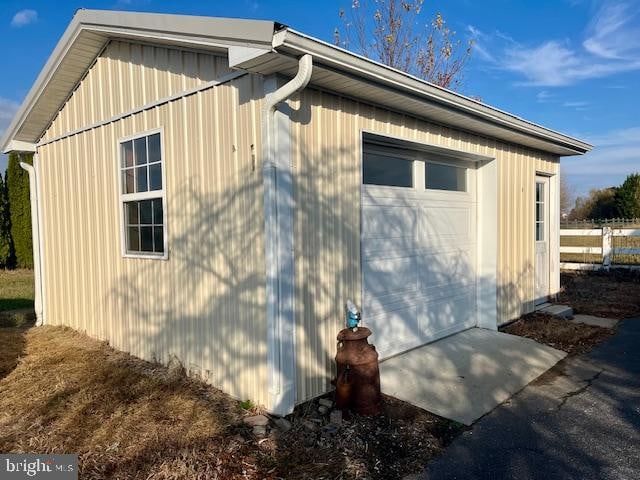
571 65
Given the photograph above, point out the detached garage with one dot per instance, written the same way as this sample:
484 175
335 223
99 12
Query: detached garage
214 190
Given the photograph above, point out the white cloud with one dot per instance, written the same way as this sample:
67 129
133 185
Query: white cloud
616 154
24 17
543 96
577 105
611 46
613 33
479 44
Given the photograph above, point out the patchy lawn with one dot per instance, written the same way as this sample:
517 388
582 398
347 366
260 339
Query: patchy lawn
614 294
573 338
63 392
16 289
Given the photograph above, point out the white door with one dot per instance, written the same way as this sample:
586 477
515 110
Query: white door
418 250
542 273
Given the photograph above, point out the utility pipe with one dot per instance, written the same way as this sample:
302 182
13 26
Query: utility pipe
35 233
277 308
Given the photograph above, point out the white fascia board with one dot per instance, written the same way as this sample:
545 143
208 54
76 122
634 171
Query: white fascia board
242 57
19 147
341 59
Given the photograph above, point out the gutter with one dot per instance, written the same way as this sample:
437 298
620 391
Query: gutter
349 63
35 232
279 255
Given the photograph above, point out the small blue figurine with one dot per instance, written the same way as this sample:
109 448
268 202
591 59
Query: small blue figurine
353 316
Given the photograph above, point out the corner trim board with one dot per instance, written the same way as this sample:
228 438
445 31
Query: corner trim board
277 170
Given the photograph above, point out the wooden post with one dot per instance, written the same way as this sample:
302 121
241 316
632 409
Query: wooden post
607 246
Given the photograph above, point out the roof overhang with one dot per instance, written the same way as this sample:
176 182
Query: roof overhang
336 69
267 47
89 32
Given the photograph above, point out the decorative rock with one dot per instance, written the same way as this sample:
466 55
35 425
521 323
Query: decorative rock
256 421
309 425
322 410
336 418
260 431
325 402
283 424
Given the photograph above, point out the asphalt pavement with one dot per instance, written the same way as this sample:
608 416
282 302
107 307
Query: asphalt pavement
580 420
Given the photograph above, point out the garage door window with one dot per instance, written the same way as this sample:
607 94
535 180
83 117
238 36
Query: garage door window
445 177
387 170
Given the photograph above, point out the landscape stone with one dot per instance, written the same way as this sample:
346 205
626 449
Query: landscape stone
256 421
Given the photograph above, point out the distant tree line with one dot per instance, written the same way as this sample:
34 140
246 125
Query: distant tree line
16 243
613 202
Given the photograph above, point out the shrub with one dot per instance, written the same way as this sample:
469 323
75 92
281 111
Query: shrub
628 197
17 181
7 256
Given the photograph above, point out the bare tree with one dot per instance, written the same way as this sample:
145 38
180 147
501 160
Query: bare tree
567 195
389 31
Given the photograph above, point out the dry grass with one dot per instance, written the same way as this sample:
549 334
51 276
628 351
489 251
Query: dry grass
16 289
614 294
62 392
12 344
573 338
125 418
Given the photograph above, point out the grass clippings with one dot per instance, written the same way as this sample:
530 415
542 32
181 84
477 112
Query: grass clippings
62 392
613 294
16 289
573 338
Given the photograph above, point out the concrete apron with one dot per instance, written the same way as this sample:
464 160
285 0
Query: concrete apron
466 375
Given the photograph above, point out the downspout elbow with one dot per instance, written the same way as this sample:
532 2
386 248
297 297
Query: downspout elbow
297 83
301 80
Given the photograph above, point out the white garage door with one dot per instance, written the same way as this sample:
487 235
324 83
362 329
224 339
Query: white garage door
418 248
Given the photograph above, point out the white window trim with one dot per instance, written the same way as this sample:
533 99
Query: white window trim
127 197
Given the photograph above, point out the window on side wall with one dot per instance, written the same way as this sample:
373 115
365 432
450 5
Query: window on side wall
142 199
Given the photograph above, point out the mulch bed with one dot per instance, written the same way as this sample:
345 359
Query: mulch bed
62 392
614 294
396 443
573 338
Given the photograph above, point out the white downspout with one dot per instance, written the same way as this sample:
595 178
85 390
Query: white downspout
35 232
279 250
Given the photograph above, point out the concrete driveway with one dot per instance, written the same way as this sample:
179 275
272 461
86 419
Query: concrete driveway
581 420
466 375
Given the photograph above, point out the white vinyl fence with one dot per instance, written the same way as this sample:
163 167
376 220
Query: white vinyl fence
612 255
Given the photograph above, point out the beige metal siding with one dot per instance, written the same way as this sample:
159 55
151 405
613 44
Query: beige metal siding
129 75
205 305
326 147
